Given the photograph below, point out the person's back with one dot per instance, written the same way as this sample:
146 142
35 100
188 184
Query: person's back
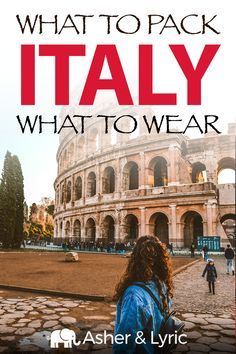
137 311
229 255
140 312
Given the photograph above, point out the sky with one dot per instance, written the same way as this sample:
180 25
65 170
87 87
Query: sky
37 153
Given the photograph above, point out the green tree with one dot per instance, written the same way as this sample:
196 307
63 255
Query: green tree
7 202
11 202
19 218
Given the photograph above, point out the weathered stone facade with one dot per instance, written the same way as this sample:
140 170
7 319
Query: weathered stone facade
121 187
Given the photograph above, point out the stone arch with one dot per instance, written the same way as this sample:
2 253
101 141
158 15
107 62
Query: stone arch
199 174
108 229
158 175
91 184
67 229
132 227
77 229
78 188
108 180
226 170
192 227
90 230
68 192
159 226
228 222
131 176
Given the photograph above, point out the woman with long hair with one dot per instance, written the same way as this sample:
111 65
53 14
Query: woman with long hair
148 265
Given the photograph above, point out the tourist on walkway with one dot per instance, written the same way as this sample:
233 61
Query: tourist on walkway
192 249
148 265
229 255
170 248
210 271
205 253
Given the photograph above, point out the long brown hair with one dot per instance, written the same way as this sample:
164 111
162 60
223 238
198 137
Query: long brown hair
149 261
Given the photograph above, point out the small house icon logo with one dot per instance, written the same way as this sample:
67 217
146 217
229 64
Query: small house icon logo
65 336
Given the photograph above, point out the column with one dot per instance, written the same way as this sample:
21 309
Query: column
82 230
63 228
173 226
117 232
142 221
173 177
142 171
72 190
118 179
98 179
180 235
71 228
214 217
84 189
209 218
97 226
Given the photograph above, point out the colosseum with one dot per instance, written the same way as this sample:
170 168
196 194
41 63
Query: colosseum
116 187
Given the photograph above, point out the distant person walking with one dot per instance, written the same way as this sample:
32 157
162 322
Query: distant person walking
192 249
210 271
205 252
170 248
229 255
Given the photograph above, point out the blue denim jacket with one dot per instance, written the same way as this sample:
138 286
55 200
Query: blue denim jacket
135 312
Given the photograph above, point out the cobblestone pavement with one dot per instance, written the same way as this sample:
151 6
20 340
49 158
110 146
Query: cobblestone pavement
27 321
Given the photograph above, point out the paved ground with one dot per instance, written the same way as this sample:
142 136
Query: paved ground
26 321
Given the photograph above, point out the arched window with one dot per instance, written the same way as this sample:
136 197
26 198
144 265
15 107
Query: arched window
228 222
131 223
91 184
159 227
199 174
108 180
90 230
62 193
78 188
193 227
109 229
226 170
158 172
131 176
77 229
67 229
68 192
